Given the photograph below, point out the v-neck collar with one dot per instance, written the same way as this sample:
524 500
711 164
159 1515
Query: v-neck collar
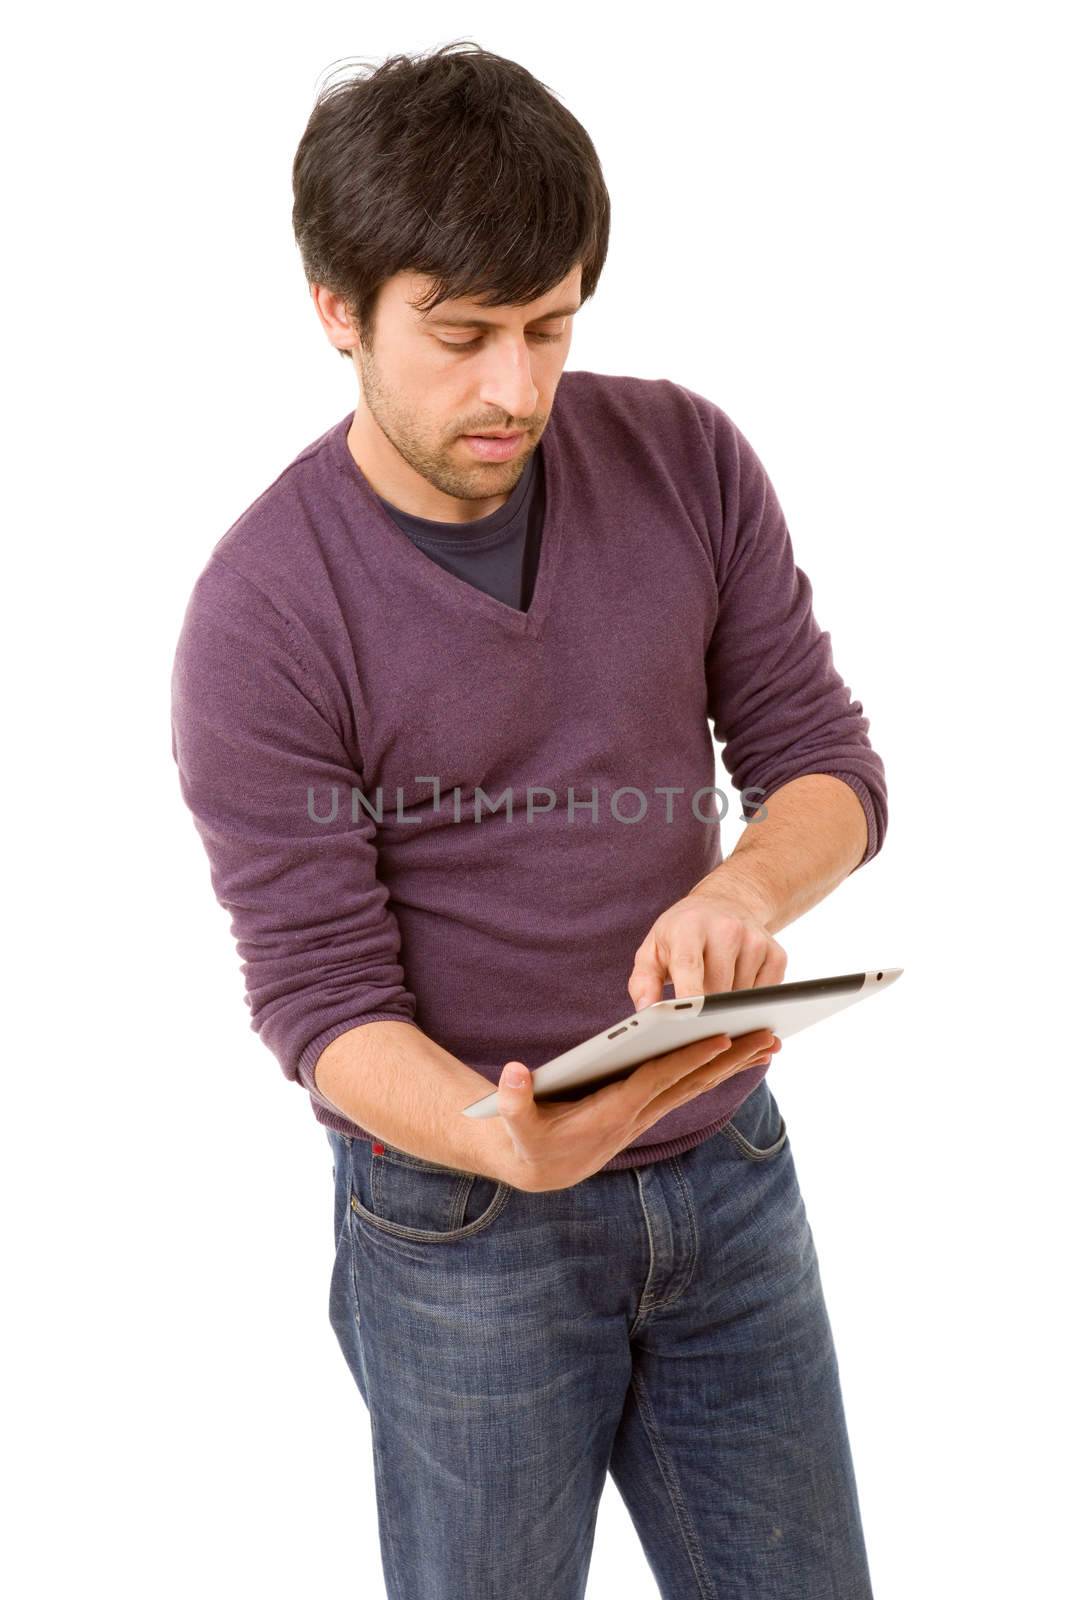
457 591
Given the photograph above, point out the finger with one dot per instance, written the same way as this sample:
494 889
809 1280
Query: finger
772 971
720 968
686 966
654 1076
745 1046
750 958
721 1064
645 983
707 1076
752 1050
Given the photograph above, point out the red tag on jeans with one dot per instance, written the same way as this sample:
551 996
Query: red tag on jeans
377 1148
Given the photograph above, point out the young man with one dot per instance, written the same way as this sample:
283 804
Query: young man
441 713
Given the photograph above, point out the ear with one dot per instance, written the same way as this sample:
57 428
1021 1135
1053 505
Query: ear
333 314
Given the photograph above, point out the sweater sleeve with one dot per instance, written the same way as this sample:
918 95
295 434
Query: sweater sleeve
319 945
778 705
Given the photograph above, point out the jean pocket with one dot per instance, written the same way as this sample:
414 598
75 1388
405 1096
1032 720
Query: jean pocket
411 1198
757 1128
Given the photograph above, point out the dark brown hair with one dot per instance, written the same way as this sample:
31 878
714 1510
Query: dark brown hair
459 165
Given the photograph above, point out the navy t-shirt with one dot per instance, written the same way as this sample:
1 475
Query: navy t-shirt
497 553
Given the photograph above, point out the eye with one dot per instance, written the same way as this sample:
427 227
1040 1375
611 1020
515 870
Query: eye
472 344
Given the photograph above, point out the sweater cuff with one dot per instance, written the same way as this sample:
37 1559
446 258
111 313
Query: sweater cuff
863 794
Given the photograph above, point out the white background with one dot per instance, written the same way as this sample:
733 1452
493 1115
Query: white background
840 224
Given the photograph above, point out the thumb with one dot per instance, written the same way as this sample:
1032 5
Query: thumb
515 1088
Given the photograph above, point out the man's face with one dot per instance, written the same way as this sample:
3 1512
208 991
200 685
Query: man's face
428 380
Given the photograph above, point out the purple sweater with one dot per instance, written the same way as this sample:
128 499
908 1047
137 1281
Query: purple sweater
422 804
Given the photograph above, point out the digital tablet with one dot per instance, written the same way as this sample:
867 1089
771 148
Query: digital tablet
665 1025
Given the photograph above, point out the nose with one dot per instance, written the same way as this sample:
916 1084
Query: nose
507 386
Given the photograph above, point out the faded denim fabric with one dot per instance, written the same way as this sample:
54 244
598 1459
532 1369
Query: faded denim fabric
664 1323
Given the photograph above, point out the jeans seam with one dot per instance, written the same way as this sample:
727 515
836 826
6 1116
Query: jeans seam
646 1306
674 1489
753 1151
458 1209
383 1498
350 1234
399 1230
642 1307
659 1305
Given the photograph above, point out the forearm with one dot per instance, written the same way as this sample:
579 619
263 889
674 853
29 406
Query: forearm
814 834
393 1080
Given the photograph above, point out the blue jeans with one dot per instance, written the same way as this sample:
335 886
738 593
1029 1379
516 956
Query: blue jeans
663 1323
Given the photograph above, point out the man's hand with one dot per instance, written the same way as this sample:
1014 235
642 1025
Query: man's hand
709 942
557 1145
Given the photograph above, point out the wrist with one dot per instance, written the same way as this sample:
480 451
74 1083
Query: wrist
736 891
497 1148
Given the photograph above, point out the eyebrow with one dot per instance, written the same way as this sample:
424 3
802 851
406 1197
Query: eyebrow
440 319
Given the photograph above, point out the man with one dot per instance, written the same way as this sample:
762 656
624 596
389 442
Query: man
441 713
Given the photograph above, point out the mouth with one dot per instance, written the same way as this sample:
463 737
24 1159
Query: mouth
493 446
